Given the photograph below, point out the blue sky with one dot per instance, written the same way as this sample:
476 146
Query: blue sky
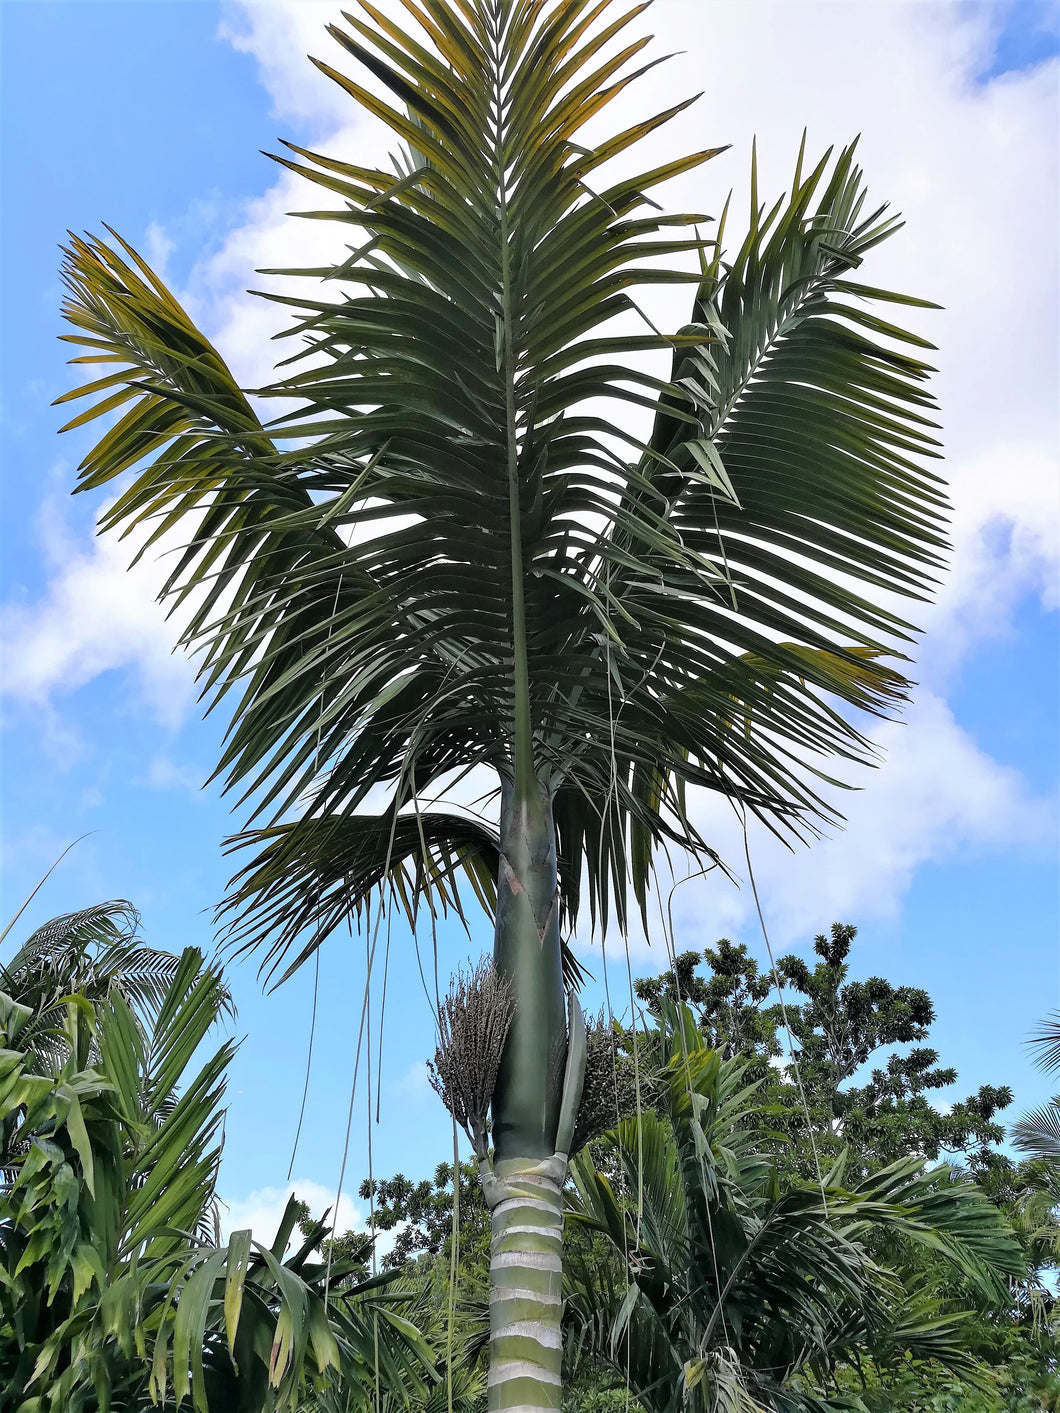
150 116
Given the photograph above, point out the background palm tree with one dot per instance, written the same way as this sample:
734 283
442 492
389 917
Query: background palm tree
91 952
459 561
1038 1132
734 1291
116 1291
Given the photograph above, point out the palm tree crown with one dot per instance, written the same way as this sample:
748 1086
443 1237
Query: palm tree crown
469 565
91 953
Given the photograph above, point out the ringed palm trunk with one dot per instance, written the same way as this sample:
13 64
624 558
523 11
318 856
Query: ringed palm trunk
540 1079
525 1189
526 1284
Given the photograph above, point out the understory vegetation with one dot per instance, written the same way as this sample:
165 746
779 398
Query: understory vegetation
782 1220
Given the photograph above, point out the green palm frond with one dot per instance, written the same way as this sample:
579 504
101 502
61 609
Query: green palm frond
820 426
310 876
91 953
113 1171
717 1260
920 1327
448 555
101 925
1038 1132
1047 1044
250 1325
944 1208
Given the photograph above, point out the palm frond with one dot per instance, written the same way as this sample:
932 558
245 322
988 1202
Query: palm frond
103 925
309 877
1047 1044
92 953
246 1320
1038 1132
820 425
940 1208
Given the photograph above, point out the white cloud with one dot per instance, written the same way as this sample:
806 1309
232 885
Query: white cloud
159 246
1006 537
241 324
165 774
938 796
262 1209
280 37
96 615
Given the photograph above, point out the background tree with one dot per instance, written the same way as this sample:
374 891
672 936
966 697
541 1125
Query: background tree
736 1289
458 561
447 1261
422 1213
837 1027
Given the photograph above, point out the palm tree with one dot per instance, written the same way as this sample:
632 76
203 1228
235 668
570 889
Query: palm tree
729 1290
1038 1132
448 557
115 1290
89 952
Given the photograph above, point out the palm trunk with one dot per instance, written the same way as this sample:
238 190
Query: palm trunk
527 951
526 1287
536 1096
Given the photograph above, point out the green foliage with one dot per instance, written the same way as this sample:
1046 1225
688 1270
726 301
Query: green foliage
727 1004
88 952
837 1026
591 1388
114 1290
734 1288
